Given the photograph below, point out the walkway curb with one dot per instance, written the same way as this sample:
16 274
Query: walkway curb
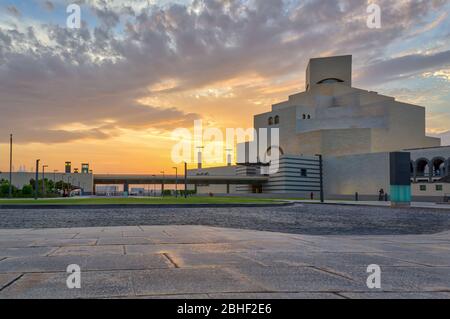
106 206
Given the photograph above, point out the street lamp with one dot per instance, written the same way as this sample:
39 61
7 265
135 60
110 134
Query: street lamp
185 180
322 199
43 179
176 181
154 186
36 181
62 184
69 181
10 164
162 185
54 180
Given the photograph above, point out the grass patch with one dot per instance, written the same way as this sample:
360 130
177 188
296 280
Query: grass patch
135 201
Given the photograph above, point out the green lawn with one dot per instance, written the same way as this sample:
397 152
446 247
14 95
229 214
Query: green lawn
149 200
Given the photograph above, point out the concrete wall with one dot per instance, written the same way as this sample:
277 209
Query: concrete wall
363 173
431 190
289 141
85 181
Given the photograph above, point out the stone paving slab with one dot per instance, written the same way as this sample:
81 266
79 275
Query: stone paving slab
26 251
188 280
89 250
190 262
53 286
6 279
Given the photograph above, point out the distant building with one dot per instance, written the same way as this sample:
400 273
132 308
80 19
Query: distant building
106 189
68 167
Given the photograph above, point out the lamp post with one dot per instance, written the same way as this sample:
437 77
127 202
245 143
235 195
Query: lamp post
69 186
176 181
36 181
162 184
62 184
10 164
185 180
154 186
54 180
43 179
322 199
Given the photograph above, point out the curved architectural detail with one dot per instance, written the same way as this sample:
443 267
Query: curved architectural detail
330 80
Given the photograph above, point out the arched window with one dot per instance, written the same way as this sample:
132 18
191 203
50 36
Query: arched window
270 122
309 117
304 116
438 166
422 167
277 120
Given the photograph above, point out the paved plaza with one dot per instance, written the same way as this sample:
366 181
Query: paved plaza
210 262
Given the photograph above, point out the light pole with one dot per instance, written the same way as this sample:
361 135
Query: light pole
36 181
43 179
54 180
185 179
162 185
154 186
10 164
176 181
322 199
62 184
69 185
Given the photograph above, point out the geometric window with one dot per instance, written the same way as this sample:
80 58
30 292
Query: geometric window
304 172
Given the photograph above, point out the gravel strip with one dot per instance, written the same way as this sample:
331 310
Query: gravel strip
298 219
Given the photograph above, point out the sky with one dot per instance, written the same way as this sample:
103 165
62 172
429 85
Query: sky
111 92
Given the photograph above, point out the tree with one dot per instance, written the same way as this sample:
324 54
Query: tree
4 188
27 190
